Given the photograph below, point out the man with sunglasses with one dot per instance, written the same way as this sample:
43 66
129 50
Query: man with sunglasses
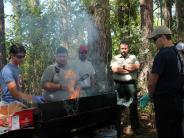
164 84
86 72
11 78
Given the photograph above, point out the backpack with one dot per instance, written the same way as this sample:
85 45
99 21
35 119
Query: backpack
178 49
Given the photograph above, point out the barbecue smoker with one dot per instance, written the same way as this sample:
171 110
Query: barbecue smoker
75 117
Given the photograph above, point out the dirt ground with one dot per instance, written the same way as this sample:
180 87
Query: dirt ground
147 128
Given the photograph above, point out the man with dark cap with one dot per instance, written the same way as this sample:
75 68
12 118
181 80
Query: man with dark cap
164 84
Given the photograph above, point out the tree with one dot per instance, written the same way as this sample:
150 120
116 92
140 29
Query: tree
2 35
126 14
17 17
146 7
65 10
180 19
167 12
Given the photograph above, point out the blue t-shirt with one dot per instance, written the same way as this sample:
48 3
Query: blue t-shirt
166 66
10 73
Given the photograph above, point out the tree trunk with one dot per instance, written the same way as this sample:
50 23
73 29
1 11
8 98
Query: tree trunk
166 11
2 36
99 40
17 11
126 14
146 25
161 12
65 22
180 19
123 12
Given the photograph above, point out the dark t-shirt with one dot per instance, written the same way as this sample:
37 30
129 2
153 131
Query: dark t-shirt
166 66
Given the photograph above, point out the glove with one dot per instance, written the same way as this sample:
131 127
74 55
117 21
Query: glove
144 101
38 99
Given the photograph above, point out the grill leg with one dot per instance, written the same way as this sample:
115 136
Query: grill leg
118 122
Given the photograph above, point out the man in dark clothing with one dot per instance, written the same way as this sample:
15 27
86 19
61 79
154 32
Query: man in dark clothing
164 84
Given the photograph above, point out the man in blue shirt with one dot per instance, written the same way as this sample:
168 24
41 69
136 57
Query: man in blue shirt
11 78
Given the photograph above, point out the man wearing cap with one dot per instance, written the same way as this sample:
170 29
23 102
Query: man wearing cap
86 72
164 84
125 67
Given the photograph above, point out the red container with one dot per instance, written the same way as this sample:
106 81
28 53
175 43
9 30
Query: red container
21 119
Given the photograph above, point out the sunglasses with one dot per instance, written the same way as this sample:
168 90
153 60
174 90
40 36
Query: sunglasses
20 56
156 37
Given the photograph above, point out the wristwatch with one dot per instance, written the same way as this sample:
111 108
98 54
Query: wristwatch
123 66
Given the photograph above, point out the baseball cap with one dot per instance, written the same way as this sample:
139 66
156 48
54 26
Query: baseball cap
158 31
83 48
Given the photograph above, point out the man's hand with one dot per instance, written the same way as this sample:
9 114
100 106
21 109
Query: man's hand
75 93
38 99
115 69
131 67
151 89
70 86
153 78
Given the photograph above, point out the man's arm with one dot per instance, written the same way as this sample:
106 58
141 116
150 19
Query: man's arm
93 81
153 79
17 94
128 68
50 86
46 80
132 67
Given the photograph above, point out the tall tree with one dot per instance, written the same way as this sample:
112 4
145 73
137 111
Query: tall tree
180 19
99 40
65 10
146 7
2 35
127 14
167 12
17 18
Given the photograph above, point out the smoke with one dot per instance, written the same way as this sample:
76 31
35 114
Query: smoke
43 26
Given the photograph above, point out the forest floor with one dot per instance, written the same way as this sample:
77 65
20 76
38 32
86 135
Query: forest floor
148 129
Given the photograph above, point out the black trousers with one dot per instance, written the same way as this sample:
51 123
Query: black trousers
168 116
129 90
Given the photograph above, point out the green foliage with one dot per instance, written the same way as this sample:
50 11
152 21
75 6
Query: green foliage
130 31
87 2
